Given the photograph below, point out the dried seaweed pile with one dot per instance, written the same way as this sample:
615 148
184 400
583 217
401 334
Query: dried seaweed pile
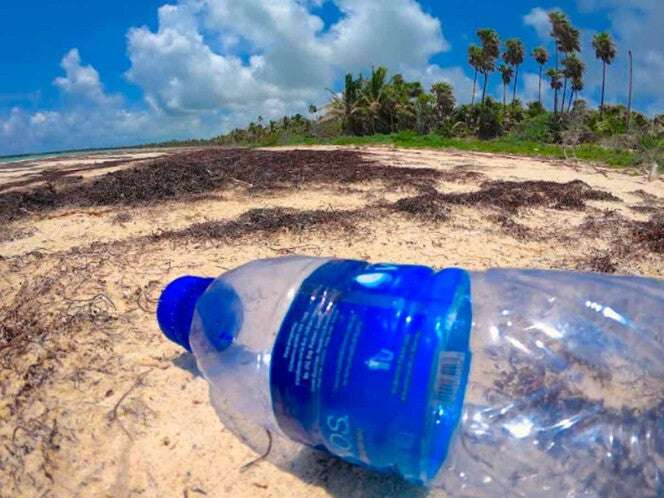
28 452
264 221
650 233
623 447
194 173
431 206
509 196
628 239
41 325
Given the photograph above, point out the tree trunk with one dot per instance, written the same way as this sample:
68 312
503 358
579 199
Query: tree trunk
486 80
653 171
472 102
556 90
504 94
601 105
539 98
629 102
516 77
571 100
562 104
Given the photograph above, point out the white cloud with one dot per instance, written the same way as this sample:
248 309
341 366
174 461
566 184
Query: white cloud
180 73
455 76
82 82
538 18
397 34
292 58
92 117
212 65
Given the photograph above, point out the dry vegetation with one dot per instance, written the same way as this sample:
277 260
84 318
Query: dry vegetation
96 402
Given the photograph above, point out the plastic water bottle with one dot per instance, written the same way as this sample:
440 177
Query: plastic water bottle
495 383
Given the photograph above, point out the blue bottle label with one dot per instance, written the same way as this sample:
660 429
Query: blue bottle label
371 364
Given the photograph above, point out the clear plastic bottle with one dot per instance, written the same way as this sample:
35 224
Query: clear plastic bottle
497 383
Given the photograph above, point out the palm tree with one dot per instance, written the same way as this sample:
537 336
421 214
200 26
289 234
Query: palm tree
573 68
570 44
350 100
542 57
573 71
475 61
424 113
514 55
399 104
630 88
577 86
373 96
605 49
445 101
506 72
559 23
490 52
558 20
556 85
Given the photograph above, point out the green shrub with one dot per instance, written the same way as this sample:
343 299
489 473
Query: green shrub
535 109
460 129
539 128
489 123
445 129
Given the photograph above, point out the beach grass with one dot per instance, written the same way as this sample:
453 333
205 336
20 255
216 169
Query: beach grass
504 145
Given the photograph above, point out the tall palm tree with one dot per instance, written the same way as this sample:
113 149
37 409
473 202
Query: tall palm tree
514 55
558 20
490 52
506 72
573 71
475 60
559 23
541 57
556 85
605 49
577 86
630 87
573 68
570 44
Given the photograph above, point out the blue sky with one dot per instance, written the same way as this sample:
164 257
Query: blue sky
89 74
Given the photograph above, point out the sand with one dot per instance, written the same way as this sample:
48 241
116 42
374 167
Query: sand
98 403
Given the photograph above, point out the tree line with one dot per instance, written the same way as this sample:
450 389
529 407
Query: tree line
383 104
568 71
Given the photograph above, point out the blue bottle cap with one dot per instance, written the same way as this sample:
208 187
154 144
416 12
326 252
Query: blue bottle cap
177 303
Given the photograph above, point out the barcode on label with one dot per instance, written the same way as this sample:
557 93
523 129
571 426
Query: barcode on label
449 374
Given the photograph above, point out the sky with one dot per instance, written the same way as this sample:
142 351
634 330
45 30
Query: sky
103 74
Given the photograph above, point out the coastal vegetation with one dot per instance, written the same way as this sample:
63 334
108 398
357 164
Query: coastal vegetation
381 108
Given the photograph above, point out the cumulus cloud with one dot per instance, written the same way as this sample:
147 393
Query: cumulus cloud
292 57
538 18
455 76
180 73
211 65
92 118
82 82
405 36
